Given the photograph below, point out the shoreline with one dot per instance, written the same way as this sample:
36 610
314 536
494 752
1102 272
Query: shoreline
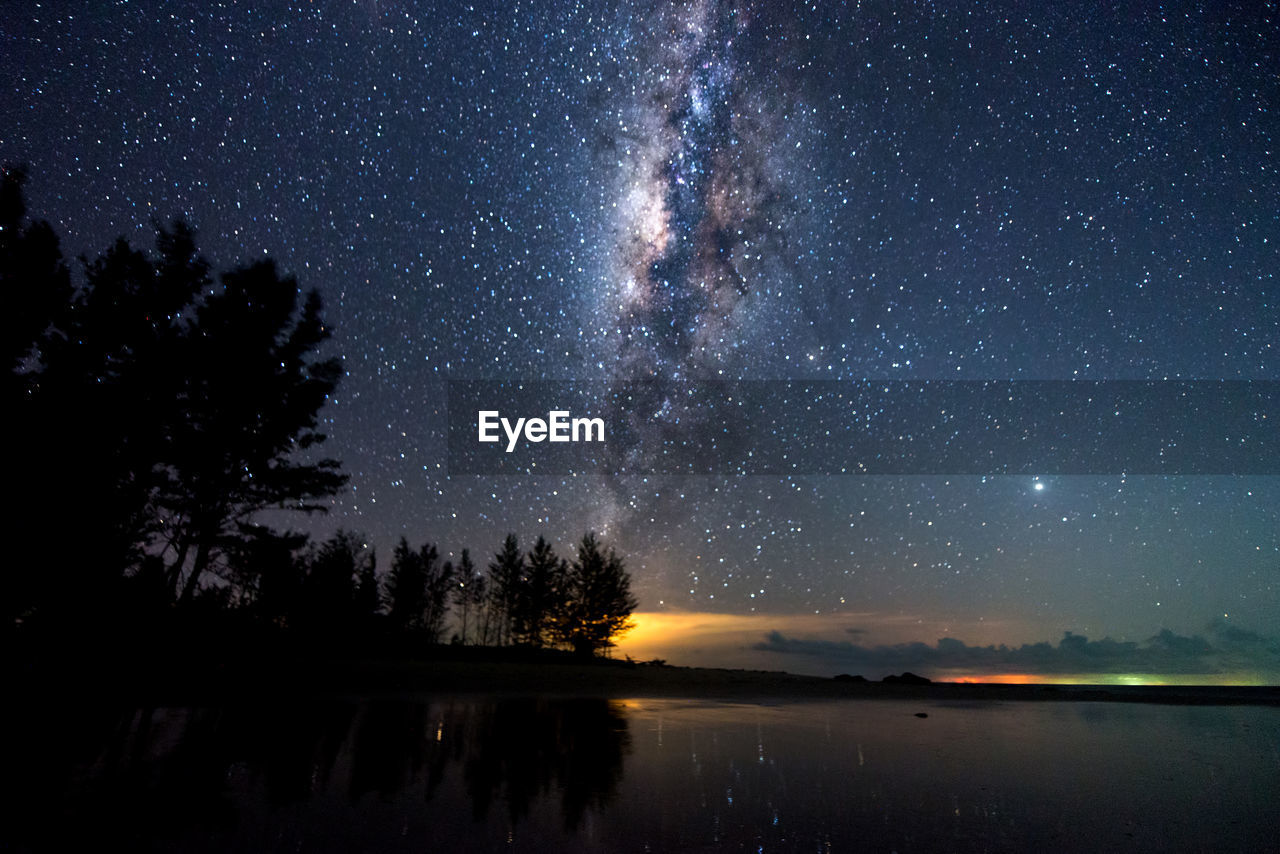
716 684
481 672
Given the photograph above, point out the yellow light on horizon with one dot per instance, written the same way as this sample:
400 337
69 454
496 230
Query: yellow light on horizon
709 639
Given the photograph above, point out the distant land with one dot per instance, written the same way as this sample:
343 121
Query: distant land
479 671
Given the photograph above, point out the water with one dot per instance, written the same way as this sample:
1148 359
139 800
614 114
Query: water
471 774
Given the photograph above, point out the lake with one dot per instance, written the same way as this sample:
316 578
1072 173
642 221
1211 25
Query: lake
542 774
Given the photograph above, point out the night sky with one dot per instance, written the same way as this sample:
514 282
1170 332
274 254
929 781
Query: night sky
735 190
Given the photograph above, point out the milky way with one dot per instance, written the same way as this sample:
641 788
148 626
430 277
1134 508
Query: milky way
695 195
701 217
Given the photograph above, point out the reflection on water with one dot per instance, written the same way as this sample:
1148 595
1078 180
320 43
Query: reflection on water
652 775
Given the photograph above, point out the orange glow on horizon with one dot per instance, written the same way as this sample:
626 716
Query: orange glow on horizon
662 629
1003 679
729 641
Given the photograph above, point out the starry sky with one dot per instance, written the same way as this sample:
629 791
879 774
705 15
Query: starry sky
735 190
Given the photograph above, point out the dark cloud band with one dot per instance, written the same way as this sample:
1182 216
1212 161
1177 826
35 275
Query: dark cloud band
1223 649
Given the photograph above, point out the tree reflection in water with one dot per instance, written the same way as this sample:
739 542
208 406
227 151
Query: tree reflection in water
144 774
473 774
516 749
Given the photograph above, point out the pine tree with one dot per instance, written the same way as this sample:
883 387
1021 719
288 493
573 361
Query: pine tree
36 286
506 575
250 400
539 595
103 412
598 600
330 590
437 581
33 278
174 407
368 600
418 589
480 607
464 592
268 569
406 587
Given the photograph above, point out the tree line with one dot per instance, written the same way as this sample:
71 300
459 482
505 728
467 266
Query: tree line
532 599
158 408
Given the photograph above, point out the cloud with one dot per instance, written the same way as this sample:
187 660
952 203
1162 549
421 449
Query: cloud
1225 650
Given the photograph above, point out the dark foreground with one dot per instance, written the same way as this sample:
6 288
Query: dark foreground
272 746
922 772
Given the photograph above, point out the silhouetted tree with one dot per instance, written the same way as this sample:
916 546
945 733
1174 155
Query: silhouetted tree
368 597
539 596
330 590
251 399
267 567
173 407
406 587
36 289
33 279
465 591
418 588
104 410
439 583
597 603
479 597
506 575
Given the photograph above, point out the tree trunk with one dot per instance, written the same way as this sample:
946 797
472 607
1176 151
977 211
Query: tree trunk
174 576
197 569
